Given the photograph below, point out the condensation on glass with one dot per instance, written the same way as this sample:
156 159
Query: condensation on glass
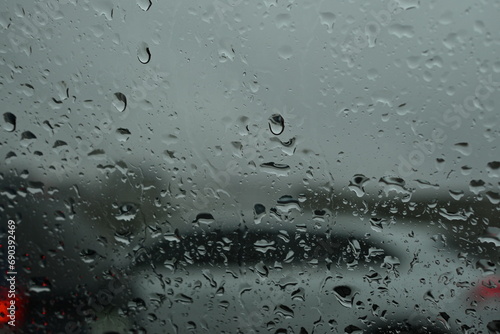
232 166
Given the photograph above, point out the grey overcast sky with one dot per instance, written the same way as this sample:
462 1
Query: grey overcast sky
361 87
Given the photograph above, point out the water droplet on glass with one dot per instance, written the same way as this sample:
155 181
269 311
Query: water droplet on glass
276 124
284 311
395 184
123 237
259 211
443 318
204 218
38 285
357 184
27 138
9 157
262 269
327 19
391 263
28 89
275 168
486 266
463 148
477 186
122 134
184 299
144 4
299 294
89 255
492 235
493 197
9 122
264 245
120 101
344 295
456 194
128 211
377 224
143 53
289 257
287 203
103 7
493 168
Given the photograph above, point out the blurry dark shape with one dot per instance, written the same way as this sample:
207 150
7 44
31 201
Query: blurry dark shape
351 329
494 327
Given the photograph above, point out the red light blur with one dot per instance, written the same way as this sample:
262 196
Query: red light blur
487 289
5 303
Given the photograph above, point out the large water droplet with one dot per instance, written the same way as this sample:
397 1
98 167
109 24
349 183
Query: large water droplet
89 255
486 266
377 224
357 184
184 299
284 311
204 218
493 168
143 53
259 211
144 4
9 124
463 148
275 168
27 138
287 203
276 124
477 186
262 269
395 184
39 285
264 245
120 101
122 134
344 295
444 319
492 235
128 211
493 197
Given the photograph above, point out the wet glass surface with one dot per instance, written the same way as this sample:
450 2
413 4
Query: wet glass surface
232 166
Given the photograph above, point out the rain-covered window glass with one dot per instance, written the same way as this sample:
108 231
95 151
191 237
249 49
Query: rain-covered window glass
235 166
